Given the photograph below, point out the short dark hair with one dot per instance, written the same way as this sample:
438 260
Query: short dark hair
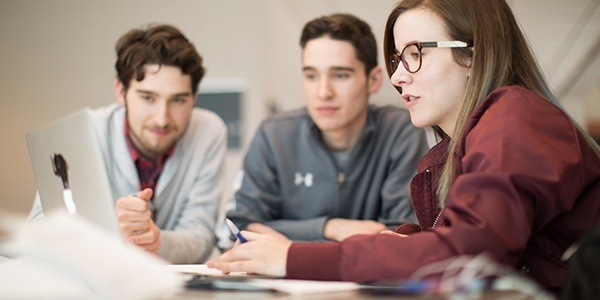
156 44
344 27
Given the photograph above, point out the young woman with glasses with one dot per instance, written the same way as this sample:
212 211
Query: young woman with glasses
512 176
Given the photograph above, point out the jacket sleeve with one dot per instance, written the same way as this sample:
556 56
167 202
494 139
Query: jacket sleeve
309 229
258 198
190 236
409 146
517 174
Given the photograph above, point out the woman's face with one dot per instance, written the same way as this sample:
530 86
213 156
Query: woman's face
434 93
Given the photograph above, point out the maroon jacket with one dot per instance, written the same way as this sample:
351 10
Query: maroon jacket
527 186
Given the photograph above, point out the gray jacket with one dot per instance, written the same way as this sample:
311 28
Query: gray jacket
292 184
189 191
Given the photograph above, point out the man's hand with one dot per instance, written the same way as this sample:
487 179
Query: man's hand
135 221
340 229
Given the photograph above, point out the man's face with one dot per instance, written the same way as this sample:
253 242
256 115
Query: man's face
158 108
336 86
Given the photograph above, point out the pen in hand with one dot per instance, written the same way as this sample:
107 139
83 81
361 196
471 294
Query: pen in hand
235 231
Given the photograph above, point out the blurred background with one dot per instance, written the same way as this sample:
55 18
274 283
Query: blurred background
57 57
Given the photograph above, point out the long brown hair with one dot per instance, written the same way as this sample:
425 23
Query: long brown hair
501 56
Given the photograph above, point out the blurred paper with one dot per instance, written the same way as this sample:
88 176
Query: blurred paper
199 269
288 286
67 257
297 287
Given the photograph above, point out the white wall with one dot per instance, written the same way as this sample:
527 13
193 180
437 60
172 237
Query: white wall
57 57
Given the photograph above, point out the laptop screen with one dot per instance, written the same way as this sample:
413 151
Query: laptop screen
69 169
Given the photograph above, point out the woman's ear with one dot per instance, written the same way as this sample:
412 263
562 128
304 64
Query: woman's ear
469 63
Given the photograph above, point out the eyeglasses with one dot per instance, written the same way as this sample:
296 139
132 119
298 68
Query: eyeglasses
412 57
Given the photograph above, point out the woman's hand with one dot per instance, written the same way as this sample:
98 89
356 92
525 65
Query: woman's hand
261 254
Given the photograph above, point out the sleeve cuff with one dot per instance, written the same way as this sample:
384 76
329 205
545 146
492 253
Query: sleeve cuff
314 261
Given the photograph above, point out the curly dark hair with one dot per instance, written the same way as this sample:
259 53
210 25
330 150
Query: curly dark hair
157 44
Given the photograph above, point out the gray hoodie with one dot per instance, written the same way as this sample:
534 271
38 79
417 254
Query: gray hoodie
293 184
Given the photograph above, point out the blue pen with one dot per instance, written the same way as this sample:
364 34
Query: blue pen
235 231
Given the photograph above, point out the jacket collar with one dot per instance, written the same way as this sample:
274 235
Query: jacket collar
368 130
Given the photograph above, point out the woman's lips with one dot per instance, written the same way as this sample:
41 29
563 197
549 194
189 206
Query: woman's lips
409 100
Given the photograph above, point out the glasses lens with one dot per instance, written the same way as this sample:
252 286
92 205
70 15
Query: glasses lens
394 61
411 58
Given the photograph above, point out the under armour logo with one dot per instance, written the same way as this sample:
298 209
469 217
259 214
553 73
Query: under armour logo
307 179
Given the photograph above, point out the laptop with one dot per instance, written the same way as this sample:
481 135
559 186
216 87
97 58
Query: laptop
69 170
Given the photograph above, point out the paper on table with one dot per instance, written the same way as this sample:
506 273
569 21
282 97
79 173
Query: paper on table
199 269
283 285
297 287
68 257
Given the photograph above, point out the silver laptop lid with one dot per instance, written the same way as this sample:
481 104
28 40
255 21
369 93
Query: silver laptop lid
69 169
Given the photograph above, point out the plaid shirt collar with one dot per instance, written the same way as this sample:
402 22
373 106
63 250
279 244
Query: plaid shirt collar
148 172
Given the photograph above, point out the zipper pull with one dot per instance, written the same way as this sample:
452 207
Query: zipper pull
341 178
